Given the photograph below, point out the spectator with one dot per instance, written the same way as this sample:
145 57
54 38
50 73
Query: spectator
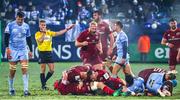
72 34
144 46
29 7
10 14
83 14
60 15
34 15
104 7
47 12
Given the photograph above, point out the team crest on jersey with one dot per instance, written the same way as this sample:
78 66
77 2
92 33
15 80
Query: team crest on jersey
14 30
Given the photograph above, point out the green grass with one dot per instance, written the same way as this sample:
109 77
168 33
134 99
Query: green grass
37 93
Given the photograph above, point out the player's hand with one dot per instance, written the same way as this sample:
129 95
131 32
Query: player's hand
100 51
123 61
43 30
114 58
170 45
64 75
8 52
109 52
80 85
85 43
30 55
70 27
178 58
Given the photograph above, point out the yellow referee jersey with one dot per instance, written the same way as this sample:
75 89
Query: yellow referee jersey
46 45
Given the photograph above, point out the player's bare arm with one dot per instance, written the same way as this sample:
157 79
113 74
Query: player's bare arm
64 30
178 56
41 39
164 42
99 46
110 50
81 44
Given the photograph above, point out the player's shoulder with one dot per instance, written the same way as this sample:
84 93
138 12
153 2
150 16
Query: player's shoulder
104 23
48 30
123 34
25 24
168 31
11 23
38 32
178 29
84 32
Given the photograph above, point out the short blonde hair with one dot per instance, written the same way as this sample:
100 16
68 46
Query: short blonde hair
93 22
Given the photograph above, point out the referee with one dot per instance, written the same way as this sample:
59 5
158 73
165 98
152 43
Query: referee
44 43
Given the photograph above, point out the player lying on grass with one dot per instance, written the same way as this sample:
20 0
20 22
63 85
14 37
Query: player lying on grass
83 88
156 81
81 80
140 83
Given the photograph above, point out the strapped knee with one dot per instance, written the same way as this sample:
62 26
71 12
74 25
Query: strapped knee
24 65
12 67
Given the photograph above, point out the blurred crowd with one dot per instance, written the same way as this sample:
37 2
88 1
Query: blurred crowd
61 11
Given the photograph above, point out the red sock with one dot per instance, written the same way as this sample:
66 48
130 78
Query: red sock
111 68
108 90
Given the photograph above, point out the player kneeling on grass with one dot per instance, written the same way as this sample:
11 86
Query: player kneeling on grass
161 84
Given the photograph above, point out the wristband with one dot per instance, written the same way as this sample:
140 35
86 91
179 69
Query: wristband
167 44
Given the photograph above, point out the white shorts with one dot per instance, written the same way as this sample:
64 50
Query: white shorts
119 58
19 55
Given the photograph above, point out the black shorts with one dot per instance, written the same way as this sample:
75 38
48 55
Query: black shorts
45 57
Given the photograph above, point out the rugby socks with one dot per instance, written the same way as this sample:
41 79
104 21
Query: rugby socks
25 81
49 74
108 90
42 77
11 84
129 79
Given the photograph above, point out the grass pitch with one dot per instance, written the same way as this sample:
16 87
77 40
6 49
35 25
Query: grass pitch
37 93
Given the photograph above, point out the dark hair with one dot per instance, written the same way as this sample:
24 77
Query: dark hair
119 24
89 73
172 20
20 14
42 21
172 76
98 12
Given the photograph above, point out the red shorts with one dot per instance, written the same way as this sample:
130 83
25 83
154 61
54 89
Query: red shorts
90 59
172 57
73 89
